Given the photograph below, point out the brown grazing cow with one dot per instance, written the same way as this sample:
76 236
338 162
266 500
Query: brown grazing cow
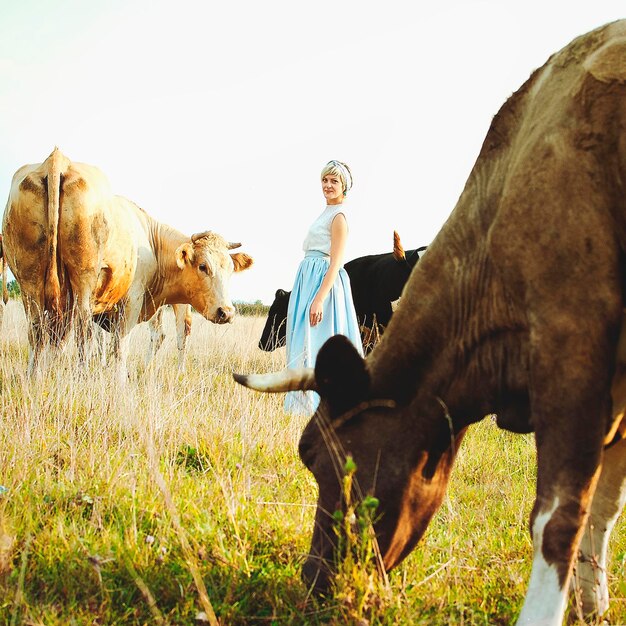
517 310
78 252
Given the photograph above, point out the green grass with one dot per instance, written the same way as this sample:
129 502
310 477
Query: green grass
124 504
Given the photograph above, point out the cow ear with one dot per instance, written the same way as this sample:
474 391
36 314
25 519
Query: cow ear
341 376
241 261
184 254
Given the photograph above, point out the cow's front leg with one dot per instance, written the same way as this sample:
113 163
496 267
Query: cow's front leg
128 317
182 313
119 329
121 362
157 335
101 343
570 411
558 518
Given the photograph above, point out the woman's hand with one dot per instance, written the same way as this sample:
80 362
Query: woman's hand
316 311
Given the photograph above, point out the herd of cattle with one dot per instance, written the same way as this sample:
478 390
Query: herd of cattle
82 254
516 309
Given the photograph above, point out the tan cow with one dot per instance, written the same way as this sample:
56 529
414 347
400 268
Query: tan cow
516 309
79 251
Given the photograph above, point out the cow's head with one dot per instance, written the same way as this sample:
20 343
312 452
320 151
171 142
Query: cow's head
274 332
206 266
405 465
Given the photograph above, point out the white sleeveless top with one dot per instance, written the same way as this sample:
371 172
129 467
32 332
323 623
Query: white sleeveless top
318 237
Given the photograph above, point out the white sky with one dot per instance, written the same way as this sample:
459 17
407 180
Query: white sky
220 115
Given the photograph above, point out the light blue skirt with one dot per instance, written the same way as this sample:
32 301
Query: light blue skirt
303 340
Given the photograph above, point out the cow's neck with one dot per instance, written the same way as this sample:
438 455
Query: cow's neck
164 288
456 327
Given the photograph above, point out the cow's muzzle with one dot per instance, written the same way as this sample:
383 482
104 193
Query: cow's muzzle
224 315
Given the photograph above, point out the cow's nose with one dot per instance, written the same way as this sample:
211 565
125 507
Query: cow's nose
225 315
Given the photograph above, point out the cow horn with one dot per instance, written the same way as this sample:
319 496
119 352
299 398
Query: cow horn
286 380
398 250
232 246
197 236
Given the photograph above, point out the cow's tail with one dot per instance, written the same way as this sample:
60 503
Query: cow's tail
57 166
5 289
398 250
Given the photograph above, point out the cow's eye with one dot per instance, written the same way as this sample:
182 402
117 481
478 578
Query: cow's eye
203 268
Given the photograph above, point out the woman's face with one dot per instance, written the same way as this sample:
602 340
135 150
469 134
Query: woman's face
332 189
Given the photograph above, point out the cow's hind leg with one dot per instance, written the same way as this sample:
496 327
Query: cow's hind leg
590 585
35 341
84 329
34 315
570 409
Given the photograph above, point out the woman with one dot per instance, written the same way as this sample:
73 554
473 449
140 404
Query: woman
321 301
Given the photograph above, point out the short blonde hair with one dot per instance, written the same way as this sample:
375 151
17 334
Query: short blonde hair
337 168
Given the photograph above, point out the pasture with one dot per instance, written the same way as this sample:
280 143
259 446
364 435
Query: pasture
182 493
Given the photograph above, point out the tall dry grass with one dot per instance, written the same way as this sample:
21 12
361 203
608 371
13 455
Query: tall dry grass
179 495
89 465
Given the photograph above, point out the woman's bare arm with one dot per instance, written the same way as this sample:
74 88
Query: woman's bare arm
338 239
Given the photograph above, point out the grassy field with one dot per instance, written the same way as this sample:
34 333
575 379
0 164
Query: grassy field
181 494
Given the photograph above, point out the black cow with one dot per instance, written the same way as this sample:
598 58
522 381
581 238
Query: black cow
274 334
376 280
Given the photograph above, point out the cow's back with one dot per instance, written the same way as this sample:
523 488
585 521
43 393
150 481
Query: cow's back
376 281
98 235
